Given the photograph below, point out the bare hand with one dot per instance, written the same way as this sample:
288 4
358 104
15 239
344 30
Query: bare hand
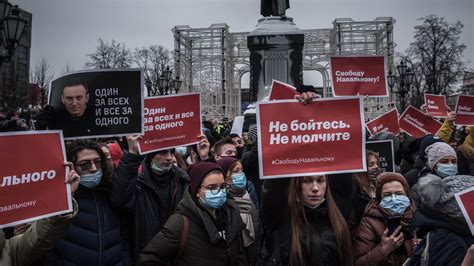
392 242
203 147
72 178
133 143
20 229
307 97
424 108
469 258
451 116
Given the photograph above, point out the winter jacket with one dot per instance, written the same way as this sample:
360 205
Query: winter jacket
205 245
250 164
39 239
94 236
360 202
140 196
368 236
322 249
449 239
445 131
419 169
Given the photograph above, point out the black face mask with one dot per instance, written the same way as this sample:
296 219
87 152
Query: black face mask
240 151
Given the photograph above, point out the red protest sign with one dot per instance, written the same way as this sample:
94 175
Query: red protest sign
282 91
465 111
171 121
326 136
436 105
465 200
32 177
417 124
358 75
386 122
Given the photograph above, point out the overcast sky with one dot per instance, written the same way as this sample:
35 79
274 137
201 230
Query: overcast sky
64 31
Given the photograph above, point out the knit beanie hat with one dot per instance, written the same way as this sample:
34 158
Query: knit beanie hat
225 163
426 141
197 173
438 194
115 152
253 134
387 177
438 151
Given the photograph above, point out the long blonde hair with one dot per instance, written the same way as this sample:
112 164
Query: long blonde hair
298 217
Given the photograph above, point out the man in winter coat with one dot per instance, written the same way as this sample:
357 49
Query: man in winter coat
150 196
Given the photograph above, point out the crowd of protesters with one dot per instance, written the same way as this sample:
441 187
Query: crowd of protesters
205 204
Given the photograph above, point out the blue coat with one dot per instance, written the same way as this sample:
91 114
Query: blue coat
93 238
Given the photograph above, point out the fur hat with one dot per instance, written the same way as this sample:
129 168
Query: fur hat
438 194
387 177
197 173
438 151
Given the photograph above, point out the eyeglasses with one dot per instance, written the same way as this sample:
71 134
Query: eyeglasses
215 189
87 165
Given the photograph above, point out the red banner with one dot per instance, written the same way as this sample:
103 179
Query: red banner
326 136
386 122
417 124
465 200
358 75
436 105
465 111
282 91
32 177
171 121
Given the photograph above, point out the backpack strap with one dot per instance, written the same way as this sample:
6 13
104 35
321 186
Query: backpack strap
184 239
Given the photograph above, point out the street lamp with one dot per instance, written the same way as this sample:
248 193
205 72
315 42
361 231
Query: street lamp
166 84
403 80
11 27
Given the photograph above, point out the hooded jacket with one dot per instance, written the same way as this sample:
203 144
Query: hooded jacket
140 195
205 245
39 239
368 236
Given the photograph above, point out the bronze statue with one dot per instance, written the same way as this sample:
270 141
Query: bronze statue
274 7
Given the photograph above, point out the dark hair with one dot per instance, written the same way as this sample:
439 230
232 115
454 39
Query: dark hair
79 145
75 82
222 142
233 135
298 217
363 178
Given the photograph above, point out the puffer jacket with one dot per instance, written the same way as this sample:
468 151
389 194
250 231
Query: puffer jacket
94 236
368 237
139 195
39 239
205 245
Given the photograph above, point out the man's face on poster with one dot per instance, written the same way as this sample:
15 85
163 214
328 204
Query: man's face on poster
75 99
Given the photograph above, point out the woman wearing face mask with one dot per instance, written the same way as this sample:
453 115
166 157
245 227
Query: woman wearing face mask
205 230
441 160
303 223
365 187
383 236
94 237
241 189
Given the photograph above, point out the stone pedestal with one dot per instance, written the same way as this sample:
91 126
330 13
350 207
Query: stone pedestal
276 47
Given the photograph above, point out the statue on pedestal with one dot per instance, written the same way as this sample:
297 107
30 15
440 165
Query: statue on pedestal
275 8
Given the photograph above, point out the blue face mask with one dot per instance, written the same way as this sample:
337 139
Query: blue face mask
395 204
445 170
239 180
92 180
158 170
215 201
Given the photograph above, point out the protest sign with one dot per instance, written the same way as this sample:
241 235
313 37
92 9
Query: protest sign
417 124
386 122
237 125
385 150
171 121
326 136
358 75
98 103
465 200
32 186
282 91
436 105
465 111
